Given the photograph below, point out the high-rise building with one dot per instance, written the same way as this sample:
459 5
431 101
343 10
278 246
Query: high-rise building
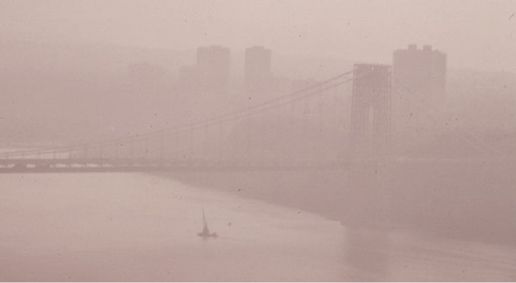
419 84
213 67
188 78
257 68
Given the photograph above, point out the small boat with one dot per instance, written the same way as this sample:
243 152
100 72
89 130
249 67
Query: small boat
205 233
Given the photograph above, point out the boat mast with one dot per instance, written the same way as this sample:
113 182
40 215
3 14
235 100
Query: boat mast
204 219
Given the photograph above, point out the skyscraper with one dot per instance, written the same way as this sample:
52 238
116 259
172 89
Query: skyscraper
213 67
257 68
419 84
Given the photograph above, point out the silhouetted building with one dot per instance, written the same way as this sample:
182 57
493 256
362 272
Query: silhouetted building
145 73
370 110
257 68
419 82
213 67
188 78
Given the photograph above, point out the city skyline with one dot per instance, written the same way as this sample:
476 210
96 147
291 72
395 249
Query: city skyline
257 140
347 31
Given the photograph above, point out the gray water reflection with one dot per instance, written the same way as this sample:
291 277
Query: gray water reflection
378 248
135 227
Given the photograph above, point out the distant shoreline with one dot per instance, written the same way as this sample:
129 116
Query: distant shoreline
470 201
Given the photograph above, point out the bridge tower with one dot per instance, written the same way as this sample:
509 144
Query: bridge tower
370 111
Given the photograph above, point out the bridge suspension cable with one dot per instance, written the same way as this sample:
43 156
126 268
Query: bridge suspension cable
306 92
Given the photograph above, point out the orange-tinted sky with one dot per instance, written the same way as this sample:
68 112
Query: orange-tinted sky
475 33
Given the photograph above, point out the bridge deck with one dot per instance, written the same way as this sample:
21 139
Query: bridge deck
28 165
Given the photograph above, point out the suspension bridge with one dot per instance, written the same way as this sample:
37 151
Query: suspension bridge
181 148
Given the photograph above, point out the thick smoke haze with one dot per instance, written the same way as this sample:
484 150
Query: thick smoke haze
89 46
475 34
257 140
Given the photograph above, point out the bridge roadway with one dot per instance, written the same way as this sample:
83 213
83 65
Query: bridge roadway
62 165
38 165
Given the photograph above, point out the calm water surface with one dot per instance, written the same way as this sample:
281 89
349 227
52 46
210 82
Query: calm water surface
140 227
125 226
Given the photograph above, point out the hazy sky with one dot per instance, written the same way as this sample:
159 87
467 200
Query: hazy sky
475 33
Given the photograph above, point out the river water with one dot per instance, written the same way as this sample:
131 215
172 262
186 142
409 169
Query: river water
137 227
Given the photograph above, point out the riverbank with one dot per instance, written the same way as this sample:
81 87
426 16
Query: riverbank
131 226
467 200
